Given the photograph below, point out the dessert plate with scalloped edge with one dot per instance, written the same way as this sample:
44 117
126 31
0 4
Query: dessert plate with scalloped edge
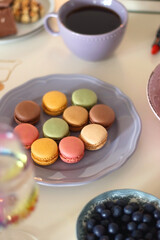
123 135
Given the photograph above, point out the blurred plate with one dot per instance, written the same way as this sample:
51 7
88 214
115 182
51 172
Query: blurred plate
153 91
122 136
27 30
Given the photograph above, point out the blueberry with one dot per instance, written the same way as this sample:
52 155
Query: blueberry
128 209
137 234
156 214
105 223
143 227
91 236
109 204
99 230
125 218
134 205
129 238
122 202
149 236
113 228
137 216
149 207
105 213
158 224
158 234
96 216
104 237
131 226
99 208
116 211
119 236
147 218
91 223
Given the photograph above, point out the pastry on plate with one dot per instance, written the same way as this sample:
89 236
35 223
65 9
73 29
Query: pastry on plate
27 111
44 151
84 97
76 117
55 128
94 136
71 149
7 23
5 3
54 103
27 134
102 114
27 11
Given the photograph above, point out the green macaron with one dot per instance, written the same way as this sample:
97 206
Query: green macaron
55 128
84 97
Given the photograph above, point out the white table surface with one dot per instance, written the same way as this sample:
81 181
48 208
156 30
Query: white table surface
128 69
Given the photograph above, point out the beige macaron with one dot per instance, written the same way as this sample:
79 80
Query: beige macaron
94 136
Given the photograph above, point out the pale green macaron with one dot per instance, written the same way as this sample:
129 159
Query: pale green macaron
55 128
84 97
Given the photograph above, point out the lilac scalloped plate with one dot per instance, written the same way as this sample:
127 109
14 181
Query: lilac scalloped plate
123 136
153 91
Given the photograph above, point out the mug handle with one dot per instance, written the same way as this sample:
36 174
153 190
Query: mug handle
47 26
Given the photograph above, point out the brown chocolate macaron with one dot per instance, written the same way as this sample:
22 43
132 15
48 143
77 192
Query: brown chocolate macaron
102 114
27 112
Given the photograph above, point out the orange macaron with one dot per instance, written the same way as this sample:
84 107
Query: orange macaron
54 103
76 117
44 151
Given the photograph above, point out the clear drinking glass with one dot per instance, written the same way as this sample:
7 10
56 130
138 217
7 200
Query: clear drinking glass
18 190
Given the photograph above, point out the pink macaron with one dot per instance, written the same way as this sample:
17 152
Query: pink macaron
27 134
71 149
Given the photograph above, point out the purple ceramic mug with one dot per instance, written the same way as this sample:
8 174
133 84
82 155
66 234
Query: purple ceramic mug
89 47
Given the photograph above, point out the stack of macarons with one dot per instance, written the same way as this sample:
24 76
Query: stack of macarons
85 117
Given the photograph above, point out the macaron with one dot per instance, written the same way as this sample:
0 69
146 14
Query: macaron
27 134
54 103
55 128
84 97
102 114
76 117
71 149
44 151
94 136
27 112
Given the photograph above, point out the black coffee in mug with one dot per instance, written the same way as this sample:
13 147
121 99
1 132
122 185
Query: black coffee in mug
92 20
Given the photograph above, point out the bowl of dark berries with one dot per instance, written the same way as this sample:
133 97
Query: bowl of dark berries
124 214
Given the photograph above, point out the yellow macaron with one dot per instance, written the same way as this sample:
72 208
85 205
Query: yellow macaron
54 103
44 151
